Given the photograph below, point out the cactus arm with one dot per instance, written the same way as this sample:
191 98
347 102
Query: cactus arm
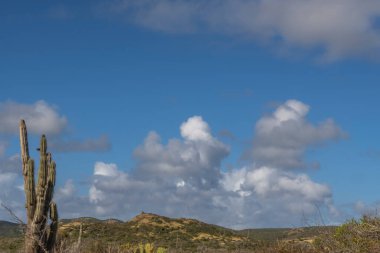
28 172
50 185
53 226
40 217
30 192
42 173
24 145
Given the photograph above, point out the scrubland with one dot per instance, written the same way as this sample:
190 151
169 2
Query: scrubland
149 233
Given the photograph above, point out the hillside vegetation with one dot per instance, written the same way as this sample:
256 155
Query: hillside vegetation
185 235
153 233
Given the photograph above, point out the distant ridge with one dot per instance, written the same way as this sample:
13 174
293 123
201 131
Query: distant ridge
184 233
10 229
90 219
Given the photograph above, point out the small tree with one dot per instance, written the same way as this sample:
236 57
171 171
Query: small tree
40 233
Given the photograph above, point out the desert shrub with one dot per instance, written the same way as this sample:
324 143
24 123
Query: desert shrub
355 236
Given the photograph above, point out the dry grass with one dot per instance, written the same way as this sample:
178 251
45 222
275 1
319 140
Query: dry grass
355 236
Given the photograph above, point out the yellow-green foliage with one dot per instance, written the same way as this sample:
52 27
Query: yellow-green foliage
143 248
161 250
355 236
149 248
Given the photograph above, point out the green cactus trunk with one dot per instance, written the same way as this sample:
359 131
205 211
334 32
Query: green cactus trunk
40 234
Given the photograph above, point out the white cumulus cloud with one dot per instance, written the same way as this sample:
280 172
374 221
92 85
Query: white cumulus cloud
68 189
282 138
107 170
40 118
185 178
195 128
336 28
196 159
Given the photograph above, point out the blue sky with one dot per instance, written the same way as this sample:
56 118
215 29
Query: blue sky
110 72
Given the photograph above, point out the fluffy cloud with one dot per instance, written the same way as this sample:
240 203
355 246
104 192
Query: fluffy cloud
173 179
278 195
11 195
67 190
195 160
185 178
340 28
40 117
196 129
70 203
43 118
123 195
282 137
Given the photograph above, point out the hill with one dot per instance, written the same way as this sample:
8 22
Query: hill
275 234
181 233
9 229
184 234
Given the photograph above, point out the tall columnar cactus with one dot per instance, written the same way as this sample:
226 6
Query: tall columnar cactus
40 233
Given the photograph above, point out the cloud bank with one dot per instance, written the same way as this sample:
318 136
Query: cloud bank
334 29
185 176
